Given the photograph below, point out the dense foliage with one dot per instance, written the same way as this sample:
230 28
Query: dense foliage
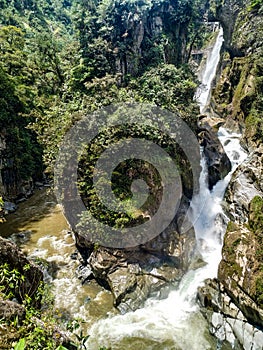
33 324
61 59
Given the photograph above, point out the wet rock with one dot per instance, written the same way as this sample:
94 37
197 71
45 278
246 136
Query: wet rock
84 273
134 275
121 283
246 183
210 122
39 184
218 164
21 237
9 207
131 286
226 320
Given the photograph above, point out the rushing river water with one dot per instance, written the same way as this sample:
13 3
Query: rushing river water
40 229
172 323
175 322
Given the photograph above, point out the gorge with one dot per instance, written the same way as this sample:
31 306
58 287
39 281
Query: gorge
201 289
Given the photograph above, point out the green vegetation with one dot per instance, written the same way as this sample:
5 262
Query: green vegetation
249 238
63 59
60 61
256 214
256 225
255 5
36 325
240 91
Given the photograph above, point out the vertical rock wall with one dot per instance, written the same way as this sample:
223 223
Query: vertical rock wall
233 304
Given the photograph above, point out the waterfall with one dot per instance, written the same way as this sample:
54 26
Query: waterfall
204 90
175 322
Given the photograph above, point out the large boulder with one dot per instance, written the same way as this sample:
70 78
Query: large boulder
246 183
218 163
227 322
10 310
134 274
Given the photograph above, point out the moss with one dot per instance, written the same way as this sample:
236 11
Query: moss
256 214
244 87
259 291
236 242
254 126
231 226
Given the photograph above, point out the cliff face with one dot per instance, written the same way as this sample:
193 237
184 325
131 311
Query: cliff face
12 185
135 35
238 96
235 300
159 24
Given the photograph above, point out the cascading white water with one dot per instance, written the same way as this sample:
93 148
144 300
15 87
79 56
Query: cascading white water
172 323
203 91
175 323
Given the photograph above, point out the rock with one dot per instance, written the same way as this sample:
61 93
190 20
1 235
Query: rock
21 237
10 254
21 200
134 275
218 164
9 207
9 310
210 123
227 15
233 303
239 271
121 283
246 183
237 295
74 256
39 184
226 321
84 273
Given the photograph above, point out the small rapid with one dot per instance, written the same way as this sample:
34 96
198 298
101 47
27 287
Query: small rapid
42 232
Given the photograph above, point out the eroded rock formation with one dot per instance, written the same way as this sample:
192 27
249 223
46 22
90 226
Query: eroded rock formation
233 303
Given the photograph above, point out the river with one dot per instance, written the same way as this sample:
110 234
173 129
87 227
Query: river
42 232
169 324
176 322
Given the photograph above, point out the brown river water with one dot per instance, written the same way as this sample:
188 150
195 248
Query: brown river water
40 229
